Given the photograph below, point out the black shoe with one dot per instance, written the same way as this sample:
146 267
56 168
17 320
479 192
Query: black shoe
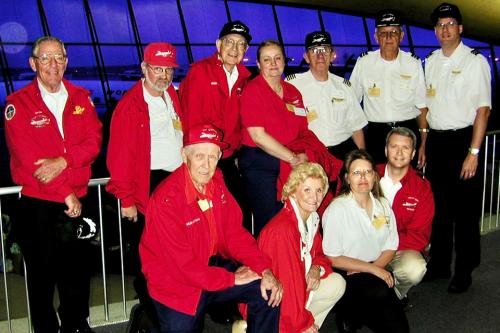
459 284
405 303
84 329
139 321
344 325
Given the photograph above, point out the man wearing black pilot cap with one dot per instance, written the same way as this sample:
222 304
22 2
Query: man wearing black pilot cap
390 82
458 94
333 111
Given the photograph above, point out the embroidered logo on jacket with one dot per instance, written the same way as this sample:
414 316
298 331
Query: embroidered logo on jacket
188 223
78 110
10 111
39 120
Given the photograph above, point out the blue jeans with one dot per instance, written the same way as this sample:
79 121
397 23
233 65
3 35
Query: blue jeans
261 317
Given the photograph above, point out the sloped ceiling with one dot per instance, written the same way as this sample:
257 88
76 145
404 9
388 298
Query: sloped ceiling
481 18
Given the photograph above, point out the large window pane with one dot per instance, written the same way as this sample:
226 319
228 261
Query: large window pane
67 20
204 19
259 18
112 21
200 52
296 23
425 37
345 29
294 55
158 21
474 43
20 21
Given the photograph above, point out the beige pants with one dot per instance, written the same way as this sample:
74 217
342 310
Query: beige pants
330 290
408 267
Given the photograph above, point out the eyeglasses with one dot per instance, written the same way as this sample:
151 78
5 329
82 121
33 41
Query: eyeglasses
388 34
321 50
365 173
161 70
448 25
241 45
45 58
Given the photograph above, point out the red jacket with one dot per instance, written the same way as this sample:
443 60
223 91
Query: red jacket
262 107
205 99
413 207
129 149
32 133
280 240
175 245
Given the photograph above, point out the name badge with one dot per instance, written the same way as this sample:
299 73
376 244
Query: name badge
300 112
290 107
405 76
456 71
312 115
204 205
177 124
430 92
374 91
379 221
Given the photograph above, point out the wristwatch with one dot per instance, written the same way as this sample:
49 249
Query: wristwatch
474 151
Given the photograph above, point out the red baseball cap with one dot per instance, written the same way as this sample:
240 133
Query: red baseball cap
205 133
161 54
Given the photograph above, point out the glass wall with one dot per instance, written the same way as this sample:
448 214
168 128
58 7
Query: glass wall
105 38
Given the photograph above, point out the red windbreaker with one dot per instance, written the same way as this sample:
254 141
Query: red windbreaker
129 149
205 99
280 241
32 134
175 246
413 207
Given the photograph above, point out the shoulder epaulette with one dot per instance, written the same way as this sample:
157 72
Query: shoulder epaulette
363 54
290 77
429 54
474 52
347 82
415 56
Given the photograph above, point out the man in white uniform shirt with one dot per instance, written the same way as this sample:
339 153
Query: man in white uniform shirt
459 100
391 84
144 148
333 111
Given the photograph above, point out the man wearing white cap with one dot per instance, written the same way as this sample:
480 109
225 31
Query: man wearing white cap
144 148
193 220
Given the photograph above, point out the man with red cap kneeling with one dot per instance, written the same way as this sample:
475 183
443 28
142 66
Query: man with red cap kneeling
144 148
193 221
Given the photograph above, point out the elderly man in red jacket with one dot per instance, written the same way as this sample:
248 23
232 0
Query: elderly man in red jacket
191 222
53 135
210 94
413 204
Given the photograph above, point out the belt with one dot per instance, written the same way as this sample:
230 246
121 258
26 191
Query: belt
392 124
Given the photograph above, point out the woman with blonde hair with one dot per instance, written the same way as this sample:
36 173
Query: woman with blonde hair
293 243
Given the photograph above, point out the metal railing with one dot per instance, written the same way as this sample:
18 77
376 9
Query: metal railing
490 220
491 184
94 183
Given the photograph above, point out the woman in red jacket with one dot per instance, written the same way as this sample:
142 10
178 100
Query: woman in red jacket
292 241
273 115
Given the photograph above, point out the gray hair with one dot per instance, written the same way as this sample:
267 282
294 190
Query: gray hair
403 131
39 41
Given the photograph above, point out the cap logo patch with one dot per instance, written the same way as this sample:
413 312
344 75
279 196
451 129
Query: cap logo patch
318 39
163 54
388 18
238 28
10 111
206 135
